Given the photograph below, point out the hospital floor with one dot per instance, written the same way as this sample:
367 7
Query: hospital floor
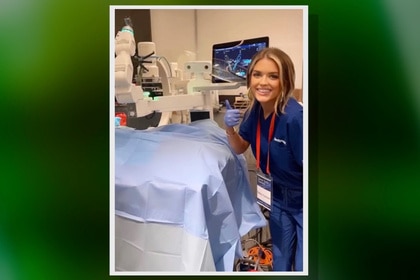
262 235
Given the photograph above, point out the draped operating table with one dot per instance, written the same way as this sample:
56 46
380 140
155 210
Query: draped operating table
182 199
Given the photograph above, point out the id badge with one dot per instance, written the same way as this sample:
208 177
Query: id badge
264 190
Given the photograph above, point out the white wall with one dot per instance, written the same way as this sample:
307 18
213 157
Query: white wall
173 31
177 30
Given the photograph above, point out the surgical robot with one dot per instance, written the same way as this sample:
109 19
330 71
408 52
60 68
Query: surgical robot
154 88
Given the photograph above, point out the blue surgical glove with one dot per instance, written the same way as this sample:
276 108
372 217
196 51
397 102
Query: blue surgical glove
232 116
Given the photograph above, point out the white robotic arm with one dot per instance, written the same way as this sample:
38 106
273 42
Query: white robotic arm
138 102
125 48
128 93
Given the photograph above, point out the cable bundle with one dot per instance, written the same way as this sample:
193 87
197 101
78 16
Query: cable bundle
261 255
257 257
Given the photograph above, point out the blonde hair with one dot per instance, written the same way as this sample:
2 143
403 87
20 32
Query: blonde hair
286 74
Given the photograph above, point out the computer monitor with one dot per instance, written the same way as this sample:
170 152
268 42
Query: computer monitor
230 60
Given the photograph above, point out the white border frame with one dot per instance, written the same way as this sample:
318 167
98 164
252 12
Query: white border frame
305 69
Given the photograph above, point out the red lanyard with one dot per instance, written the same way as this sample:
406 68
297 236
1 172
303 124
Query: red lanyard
258 144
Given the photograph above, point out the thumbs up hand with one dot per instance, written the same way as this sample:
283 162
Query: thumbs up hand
232 116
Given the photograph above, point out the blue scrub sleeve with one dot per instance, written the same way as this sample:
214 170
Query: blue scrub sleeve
246 126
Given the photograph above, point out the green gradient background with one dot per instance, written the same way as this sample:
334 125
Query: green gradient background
364 103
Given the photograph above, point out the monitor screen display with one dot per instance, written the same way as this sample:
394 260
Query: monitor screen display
230 60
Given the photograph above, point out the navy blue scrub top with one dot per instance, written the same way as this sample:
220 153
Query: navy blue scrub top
286 151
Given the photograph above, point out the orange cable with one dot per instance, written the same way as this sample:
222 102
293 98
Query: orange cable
266 260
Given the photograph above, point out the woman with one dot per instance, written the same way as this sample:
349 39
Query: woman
273 126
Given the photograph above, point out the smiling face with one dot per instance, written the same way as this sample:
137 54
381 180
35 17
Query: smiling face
265 82
270 80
